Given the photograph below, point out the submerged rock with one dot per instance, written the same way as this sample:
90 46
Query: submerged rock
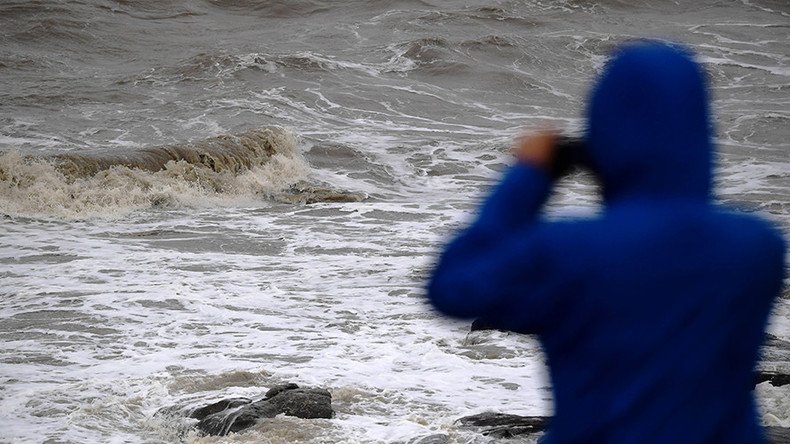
225 404
774 365
236 414
503 425
482 324
436 438
775 379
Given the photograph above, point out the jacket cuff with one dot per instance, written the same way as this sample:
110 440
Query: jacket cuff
519 196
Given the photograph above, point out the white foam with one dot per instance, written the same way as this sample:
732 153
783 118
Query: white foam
777 70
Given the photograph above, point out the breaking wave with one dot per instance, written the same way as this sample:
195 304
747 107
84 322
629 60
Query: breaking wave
219 171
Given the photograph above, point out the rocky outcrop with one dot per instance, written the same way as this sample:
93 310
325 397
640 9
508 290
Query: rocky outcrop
773 368
774 365
220 406
236 414
775 379
503 425
436 438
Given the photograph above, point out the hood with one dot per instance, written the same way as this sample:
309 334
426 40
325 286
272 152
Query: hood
649 135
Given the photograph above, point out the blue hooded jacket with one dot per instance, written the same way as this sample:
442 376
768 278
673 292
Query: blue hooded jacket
651 314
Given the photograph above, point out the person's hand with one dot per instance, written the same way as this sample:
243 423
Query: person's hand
536 149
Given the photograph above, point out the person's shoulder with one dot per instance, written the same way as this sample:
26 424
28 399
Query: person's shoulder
574 238
747 220
757 230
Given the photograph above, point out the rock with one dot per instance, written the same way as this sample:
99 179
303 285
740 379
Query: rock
775 379
481 324
437 438
277 389
202 412
308 403
234 415
502 425
774 365
225 422
774 368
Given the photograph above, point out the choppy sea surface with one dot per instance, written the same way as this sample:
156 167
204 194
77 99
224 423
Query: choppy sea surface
200 199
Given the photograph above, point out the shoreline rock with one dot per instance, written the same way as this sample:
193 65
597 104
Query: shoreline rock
773 368
234 415
775 379
503 426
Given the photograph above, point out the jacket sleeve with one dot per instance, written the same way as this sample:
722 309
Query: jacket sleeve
496 268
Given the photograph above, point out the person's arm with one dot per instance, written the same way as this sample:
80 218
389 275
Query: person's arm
487 268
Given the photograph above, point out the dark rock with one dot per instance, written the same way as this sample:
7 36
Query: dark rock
308 403
774 365
235 415
217 407
482 324
277 389
223 423
438 438
775 379
774 368
502 425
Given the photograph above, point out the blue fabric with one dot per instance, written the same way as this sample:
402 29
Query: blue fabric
651 313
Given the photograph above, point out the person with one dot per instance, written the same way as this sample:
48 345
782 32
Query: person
650 313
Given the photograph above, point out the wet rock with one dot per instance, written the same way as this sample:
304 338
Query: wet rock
482 324
774 365
277 389
234 415
503 425
225 404
438 438
775 379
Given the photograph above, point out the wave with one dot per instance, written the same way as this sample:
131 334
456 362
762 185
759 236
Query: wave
275 8
433 56
222 153
202 67
21 8
427 50
220 171
480 14
150 10
45 21
489 41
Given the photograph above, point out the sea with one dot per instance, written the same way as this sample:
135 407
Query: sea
201 199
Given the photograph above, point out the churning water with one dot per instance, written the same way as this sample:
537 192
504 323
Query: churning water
203 198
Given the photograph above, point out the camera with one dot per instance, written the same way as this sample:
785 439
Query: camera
570 155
